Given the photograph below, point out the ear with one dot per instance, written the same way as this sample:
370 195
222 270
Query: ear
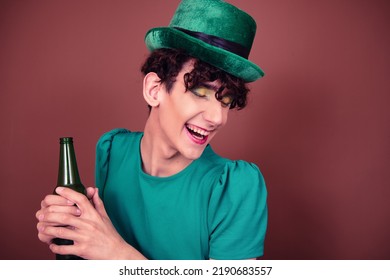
151 89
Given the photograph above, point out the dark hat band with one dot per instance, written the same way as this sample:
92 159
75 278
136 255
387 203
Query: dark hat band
215 41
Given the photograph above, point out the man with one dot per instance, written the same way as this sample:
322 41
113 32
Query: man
165 193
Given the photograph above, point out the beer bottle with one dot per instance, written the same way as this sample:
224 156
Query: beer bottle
68 176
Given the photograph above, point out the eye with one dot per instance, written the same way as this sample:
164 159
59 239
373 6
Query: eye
201 91
226 100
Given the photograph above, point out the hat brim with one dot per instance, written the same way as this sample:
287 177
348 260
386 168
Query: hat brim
168 37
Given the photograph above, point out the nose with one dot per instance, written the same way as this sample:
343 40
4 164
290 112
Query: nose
214 114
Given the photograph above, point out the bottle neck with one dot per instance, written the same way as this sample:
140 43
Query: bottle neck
68 172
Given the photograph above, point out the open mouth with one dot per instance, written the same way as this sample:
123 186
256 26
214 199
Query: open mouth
199 135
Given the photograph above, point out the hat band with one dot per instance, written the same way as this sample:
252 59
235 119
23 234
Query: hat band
218 42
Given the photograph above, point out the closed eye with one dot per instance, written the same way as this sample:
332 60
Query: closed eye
204 92
226 100
201 91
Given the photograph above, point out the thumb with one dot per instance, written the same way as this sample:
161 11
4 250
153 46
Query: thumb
99 205
91 191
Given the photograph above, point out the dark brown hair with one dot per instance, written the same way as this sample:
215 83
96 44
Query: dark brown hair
167 63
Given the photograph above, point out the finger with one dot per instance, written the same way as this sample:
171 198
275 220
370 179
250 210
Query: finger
64 249
79 199
61 232
58 219
42 225
39 214
74 210
53 199
45 238
41 235
90 192
46 232
99 205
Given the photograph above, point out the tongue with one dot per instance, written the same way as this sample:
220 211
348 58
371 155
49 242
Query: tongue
197 135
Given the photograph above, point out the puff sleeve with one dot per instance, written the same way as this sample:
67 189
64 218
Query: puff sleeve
238 213
103 148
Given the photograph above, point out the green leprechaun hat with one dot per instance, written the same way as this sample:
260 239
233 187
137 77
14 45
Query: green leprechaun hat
213 31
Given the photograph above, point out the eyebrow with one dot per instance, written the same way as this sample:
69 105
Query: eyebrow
208 86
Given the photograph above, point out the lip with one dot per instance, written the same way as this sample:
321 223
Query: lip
196 140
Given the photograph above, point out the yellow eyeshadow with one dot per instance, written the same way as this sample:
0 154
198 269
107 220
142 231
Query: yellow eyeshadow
202 91
227 99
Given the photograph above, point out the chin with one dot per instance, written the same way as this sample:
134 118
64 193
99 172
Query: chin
193 154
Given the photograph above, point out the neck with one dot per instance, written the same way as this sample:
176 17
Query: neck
158 157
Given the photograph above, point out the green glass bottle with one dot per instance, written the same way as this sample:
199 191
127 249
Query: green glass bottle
68 176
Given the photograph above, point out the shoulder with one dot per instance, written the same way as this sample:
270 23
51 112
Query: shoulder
109 136
240 170
231 180
111 145
118 136
241 180
232 172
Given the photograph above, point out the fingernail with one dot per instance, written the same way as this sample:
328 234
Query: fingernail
40 217
70 202
59 189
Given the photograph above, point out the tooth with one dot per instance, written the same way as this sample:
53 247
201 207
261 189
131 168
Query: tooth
198 130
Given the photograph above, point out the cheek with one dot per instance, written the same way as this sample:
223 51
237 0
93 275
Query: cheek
185 108
174 114
225 117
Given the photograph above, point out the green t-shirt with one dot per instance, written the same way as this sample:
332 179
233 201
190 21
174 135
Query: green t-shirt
214 208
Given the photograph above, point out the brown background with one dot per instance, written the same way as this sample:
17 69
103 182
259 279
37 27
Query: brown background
317 124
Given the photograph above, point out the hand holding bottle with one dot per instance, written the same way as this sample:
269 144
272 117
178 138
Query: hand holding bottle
89 227
73 220
58 205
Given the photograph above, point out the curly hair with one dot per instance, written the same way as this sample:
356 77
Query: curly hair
167 63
